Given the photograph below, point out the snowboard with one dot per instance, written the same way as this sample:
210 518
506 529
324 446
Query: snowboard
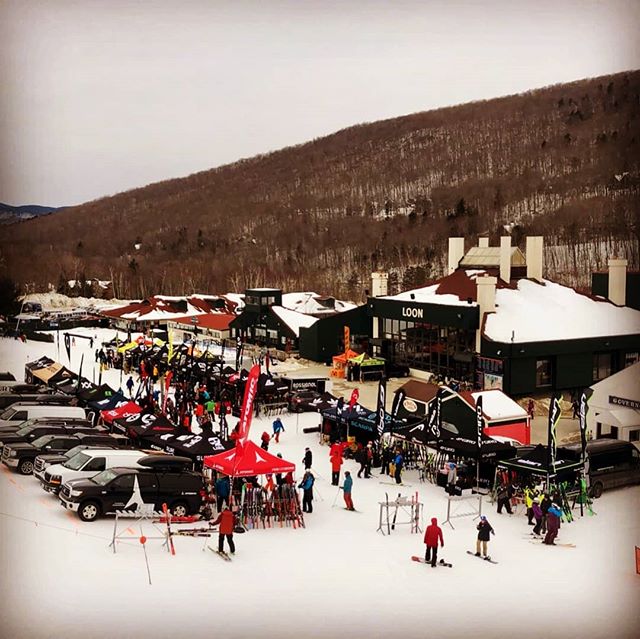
441 562
535 541
473 554
393 483
222 555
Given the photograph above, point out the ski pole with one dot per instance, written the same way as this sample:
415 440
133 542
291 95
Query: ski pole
335 498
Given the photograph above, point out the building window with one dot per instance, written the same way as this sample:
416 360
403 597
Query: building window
601 366
634 435
631 358
543 373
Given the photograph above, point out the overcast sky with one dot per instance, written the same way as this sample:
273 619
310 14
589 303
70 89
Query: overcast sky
99 97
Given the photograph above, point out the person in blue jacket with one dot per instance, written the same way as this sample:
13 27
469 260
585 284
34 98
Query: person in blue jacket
553 524
307 497
223 489
398 461
278 428
346 487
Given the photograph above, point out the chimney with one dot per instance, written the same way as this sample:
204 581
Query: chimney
534 257
618 281
483 242
456 253
505 258
486 297
379 281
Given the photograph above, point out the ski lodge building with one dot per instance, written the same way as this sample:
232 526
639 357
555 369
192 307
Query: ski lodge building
496 322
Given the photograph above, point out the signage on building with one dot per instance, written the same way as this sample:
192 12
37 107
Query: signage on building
627 403
414 313
409 405
492 381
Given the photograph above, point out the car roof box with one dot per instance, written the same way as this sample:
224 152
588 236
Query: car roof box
164 462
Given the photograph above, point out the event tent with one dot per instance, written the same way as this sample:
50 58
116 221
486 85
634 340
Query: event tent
196 447
536 462
247 460
121 412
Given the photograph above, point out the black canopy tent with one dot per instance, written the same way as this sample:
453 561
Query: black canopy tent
190 445
144 424
536 462
359 422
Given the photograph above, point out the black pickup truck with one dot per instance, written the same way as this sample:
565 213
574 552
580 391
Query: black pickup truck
166 481
33 431
21 455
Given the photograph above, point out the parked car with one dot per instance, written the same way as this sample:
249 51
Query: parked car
29 433
20 412
163 480
87 463
6 376
12 397
14 427
22 455
613 463
42 462
299 401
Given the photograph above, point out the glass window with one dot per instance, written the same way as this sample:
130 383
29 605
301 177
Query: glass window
631 358
601 366
634 436
124 482
543 373
96 465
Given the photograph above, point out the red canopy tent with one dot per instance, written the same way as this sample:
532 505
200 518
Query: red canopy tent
122 412
246 460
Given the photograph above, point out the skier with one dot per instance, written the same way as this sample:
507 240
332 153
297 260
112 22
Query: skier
361 458
226 519
336 462
504 498
432 534
130 384
529 494
545 504
346 488
484 532
386 458
398 461
277 429
308 457
264 438
307 486
553 524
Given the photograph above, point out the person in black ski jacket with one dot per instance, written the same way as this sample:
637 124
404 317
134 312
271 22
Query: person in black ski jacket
361 458
484 532
545 504
504 498
307 486
307 459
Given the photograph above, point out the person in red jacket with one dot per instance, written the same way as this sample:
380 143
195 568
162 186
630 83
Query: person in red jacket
226 519
432 534
335 456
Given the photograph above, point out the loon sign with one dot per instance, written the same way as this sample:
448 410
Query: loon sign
412 312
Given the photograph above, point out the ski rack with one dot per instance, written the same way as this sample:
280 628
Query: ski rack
476 512
140 515
409 506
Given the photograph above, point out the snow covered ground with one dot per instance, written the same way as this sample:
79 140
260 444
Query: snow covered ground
337 577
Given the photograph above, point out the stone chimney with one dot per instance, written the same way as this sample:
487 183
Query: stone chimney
534 257
486 296
505 258
618 281
483 242
379 283
456 253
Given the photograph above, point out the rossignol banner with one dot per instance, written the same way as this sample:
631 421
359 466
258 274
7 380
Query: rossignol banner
382 396
555 413
584 409
479 424
250 390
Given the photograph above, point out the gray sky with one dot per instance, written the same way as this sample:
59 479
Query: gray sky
102 96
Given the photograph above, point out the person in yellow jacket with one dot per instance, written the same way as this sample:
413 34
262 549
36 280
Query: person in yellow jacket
529 495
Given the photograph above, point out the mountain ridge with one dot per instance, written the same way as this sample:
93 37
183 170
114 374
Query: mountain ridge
559 161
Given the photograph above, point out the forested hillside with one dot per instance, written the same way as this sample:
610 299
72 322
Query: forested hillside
562 162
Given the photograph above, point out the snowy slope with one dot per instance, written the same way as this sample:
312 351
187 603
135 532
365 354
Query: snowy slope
336 578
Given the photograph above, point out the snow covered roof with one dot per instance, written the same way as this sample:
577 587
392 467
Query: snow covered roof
293 319
546 311
624 385
497 405
313 304
216 321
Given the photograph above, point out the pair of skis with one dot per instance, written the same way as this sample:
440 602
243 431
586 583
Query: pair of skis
222 554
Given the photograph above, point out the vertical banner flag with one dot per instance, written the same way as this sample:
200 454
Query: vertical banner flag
238 351
554 417
167 385
353 400
347 338
395 407
67 345
250 390
584 409
435 415
79 372
382 396
170 349
222 357
266 360
479 424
